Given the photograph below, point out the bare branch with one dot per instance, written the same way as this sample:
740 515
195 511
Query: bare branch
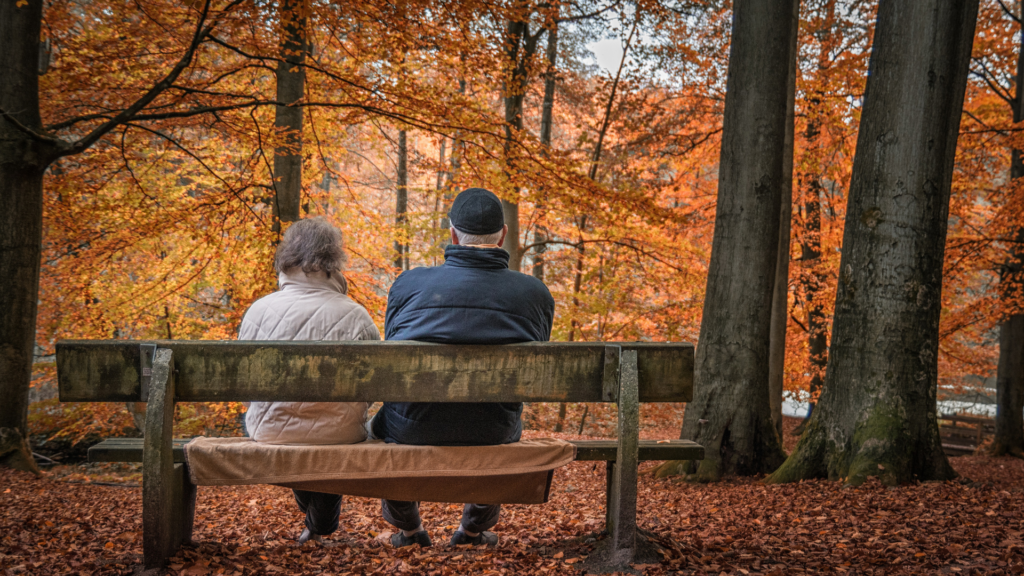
129 113
1009 12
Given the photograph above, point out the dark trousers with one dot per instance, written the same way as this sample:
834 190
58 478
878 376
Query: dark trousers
321 510
406 515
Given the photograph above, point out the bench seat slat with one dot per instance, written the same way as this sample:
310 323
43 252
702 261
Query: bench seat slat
224 371
130 450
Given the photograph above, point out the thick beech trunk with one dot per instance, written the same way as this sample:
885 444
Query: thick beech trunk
877 412
780 293
291 87
22 163
402 202
1009 438
730 414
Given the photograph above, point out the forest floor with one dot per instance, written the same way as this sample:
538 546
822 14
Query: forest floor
86 520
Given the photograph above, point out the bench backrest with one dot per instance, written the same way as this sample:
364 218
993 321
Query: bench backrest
218 371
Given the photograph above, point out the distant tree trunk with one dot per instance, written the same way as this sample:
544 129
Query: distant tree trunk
877 412
1009 438
291 87
455 158
402 202
22 163
546 120
520 46
812 279
730 414
813 282
780 293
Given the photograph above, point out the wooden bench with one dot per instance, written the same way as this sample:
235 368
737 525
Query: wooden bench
161 373
961 435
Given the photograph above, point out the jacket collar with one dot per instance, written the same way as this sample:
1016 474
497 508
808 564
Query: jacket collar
295 278
470 257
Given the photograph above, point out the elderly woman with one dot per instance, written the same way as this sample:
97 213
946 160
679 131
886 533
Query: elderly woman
310 304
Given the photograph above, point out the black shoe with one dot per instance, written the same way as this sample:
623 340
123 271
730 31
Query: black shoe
400 540
460 538
306 536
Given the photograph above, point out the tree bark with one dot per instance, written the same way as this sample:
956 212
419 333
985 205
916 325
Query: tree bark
877 412
780 293
1009 437
402 202
455 159
22 163
813 282
730 413
546 121
291 87
520 46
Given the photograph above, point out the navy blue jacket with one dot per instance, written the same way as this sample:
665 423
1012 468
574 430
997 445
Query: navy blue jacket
472 299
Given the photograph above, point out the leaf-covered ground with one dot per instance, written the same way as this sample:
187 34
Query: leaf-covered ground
74 522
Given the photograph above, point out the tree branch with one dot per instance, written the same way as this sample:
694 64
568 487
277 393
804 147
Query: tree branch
129 113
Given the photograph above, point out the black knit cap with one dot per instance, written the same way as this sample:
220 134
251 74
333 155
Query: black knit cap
477 211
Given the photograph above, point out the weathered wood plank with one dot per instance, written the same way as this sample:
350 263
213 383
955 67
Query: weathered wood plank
214 371
99 371
130 450
605 450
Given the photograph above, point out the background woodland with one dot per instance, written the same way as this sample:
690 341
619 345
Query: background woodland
163 223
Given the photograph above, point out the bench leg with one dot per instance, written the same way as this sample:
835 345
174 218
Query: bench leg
621 474
185 506
165 487
609 517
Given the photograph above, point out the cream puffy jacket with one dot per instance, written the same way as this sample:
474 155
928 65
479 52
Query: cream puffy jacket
307 307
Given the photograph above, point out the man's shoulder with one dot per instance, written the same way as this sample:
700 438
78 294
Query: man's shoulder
415 277
526 283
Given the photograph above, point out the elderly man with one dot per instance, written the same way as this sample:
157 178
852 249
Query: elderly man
473 298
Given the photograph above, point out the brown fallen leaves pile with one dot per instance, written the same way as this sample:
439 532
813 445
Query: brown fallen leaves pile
65 524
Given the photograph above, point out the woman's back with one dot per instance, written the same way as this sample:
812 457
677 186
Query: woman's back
308 306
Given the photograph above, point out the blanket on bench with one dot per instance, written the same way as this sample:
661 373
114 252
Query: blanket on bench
518 473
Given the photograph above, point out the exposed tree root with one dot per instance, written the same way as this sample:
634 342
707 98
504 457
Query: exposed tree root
702 471
1000 449
879 447
14 452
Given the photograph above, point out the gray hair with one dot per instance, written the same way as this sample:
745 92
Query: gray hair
312 244
467 239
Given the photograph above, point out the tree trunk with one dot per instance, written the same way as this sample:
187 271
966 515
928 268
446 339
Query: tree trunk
780 293
546 120
730 414
291 87
513 101
402 203
22 163
1009 438
455 158
813 282
520 47
877 412
812 279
